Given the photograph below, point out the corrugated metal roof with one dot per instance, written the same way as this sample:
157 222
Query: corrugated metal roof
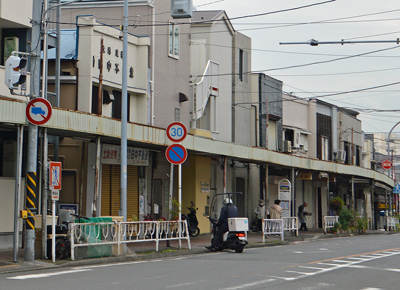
75 122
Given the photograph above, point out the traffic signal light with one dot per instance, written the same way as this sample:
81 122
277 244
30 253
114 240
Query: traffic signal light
14 75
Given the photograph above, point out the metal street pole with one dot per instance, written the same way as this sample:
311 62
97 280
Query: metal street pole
20 139
31 165
124 114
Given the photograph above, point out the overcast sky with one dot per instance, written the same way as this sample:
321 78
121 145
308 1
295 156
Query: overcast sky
349 20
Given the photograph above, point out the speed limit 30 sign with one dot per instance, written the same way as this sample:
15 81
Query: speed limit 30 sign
176 132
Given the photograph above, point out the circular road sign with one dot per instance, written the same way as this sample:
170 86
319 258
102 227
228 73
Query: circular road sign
38 111
386 164
176 132
176 154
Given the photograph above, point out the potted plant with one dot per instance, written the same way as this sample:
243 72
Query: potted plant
336 204
335 229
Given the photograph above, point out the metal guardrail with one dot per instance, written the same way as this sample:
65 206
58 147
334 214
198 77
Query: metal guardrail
272 227
118 233
291 224
391 223
329 222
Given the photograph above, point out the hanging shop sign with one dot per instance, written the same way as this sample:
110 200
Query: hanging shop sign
111 154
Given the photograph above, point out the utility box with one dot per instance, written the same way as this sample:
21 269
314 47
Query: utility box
238 224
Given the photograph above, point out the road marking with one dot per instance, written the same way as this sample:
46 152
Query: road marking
45 275
316 268
249 284
352 262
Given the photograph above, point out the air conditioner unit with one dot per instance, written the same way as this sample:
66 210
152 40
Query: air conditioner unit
341 156
287 146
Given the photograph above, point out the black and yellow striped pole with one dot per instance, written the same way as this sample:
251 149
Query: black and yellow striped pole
31 199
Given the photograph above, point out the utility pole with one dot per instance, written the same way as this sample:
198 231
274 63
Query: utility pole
124 115
32 180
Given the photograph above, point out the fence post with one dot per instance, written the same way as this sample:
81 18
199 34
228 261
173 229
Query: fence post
72 236
119 237
157 237
263 229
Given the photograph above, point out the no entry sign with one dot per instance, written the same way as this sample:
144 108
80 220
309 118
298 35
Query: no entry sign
176 154
386 164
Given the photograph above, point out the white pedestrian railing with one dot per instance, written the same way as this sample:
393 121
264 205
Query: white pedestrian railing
272 227
291 224
118 233
329 222
391 223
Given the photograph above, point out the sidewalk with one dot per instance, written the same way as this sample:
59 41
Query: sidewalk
146 250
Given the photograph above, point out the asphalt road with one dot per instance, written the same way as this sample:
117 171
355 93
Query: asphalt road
361 262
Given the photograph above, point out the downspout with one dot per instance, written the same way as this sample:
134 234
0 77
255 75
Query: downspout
224 174
255 125
153 43
76 85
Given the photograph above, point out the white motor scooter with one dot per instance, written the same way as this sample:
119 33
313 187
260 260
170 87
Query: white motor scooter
236 238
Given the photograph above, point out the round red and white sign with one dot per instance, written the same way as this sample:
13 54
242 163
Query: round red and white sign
176 132
386 164
176 154
38 111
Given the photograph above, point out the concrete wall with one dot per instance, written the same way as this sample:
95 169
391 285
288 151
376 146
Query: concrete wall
7 197
243 118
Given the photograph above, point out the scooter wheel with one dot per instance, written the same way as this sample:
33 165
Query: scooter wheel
239 248
195 233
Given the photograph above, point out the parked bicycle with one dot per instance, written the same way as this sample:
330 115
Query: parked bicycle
63 237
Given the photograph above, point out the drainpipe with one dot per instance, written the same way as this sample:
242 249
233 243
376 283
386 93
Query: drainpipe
224 174
97 177
153 43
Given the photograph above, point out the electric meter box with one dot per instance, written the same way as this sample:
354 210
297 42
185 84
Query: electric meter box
238 224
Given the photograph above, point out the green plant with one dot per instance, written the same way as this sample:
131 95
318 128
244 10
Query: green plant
134 218
336 204
362 223
345 219
174 212
336 228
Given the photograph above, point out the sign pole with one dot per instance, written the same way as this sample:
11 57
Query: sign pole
180 190
53 231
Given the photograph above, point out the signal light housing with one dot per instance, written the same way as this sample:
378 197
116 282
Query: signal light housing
13 71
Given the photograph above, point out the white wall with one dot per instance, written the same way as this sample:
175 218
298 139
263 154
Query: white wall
7 197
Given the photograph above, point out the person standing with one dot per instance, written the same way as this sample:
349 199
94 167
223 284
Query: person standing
302 216
260 214
275 210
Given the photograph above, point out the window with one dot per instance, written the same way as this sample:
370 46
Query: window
173 47
241 65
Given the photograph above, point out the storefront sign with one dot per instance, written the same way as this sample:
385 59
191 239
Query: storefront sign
111 154
304 175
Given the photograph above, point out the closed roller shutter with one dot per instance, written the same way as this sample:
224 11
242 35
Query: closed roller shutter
115 190
106 190
132 192
111 191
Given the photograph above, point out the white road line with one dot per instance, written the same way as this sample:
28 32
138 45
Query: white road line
300 273
249 284
110 265
180 285
45 275
315 268
340 261
334 265
392 270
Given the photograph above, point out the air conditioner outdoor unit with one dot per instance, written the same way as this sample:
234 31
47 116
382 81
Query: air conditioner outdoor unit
287 146
341 156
